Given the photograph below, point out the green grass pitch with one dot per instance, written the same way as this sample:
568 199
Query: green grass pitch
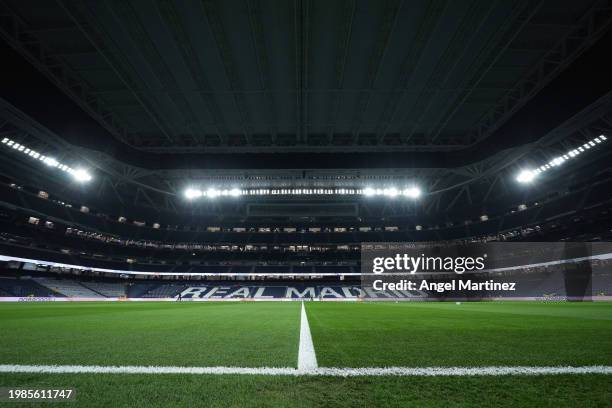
344 335
470 334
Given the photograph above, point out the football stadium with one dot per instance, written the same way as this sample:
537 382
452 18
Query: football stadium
306 203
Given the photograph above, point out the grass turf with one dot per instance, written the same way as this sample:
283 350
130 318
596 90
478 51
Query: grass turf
259 391
164 333
470 334
344 334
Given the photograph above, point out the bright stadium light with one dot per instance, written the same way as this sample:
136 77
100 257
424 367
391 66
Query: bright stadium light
50 161
526 176
192 193
212 193
80 175
412 192
369 191
557 161
391 192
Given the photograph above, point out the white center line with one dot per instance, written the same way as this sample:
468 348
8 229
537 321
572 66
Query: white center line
307 359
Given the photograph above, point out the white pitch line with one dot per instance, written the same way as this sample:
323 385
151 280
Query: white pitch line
307 358
321 371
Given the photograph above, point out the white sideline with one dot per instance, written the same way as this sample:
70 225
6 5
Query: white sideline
307 359
321 371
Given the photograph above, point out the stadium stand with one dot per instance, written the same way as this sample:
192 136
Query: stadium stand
164 291
535 282
24 288
107 289
68 288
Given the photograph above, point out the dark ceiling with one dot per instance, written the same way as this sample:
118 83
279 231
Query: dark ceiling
164 77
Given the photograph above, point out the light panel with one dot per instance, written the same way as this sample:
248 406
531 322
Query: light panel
526 176
529 175
80 175
192 193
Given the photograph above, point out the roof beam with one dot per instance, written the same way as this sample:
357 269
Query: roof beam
589 29
409 64
344 41
97 40
376 59
15 33
176 25
493 53
263 63
156 61
227 58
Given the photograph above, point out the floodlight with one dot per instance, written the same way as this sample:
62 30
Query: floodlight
391 192
558 161
412 192
368 191
81 175
192 193
212 193
526 176
50 161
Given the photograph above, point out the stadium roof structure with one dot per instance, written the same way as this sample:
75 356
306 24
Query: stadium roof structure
451 95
